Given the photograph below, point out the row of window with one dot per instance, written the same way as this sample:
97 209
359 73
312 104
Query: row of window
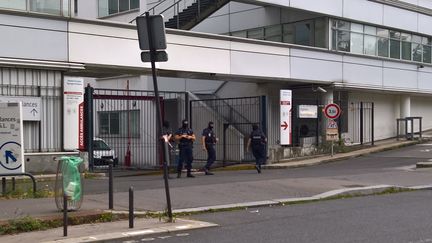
374 41
109 7
309 33
55 7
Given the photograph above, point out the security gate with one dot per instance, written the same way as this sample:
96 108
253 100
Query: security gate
125 125
233 119
361 119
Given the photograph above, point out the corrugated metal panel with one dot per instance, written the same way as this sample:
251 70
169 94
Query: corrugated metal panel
44 135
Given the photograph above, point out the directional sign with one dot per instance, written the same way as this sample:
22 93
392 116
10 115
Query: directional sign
31 106
285 117
11 139
332 111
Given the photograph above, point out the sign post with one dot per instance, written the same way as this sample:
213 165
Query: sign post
11 139
285 117
151 37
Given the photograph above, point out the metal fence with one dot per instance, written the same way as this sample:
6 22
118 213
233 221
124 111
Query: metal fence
233 118
125 125
361 127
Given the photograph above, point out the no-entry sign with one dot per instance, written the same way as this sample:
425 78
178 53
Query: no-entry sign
332 111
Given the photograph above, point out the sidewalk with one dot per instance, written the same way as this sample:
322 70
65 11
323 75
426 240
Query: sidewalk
259 190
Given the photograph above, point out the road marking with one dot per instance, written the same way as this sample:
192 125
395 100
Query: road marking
147 239
142 232
421 241
183 234
183 226
164 237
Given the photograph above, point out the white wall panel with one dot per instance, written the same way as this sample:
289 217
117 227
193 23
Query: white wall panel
421 106
332 7
425 24
256 64
356 9
425 3
362 74
425 80
400 18
398 78
313 65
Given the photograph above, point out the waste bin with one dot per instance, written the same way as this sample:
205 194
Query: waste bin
69 182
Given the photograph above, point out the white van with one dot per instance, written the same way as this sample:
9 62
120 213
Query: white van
102 153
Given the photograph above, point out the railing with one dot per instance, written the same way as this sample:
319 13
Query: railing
170 8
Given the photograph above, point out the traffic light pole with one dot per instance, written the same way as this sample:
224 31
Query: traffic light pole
159 116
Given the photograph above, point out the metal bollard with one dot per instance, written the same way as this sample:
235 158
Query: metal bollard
65 216
111 182
131 207
4 186
13 183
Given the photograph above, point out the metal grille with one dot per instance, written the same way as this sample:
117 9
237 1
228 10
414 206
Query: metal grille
232 119
125 125
361 119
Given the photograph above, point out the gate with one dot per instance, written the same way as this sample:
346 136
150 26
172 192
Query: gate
361 119
233 119
125 125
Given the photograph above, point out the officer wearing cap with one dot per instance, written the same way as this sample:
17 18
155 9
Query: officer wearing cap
185 138
209 140
257 140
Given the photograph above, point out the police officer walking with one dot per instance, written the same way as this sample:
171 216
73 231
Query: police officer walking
258 141
208 142
185 137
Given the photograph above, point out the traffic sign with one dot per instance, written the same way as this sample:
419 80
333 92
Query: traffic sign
332 133
157 28
332 111
11 149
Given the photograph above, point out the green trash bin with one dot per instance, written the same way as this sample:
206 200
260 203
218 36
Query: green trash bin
69 183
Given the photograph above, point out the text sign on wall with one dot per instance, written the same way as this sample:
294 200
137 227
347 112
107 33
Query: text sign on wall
285 117
73 95
307 111
31 106
11 139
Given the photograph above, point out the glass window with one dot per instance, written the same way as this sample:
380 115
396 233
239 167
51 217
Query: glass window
46 6
273 33
256 33
406 46
382 32
395 48
303 33
383 47
357 27
370 44
343 40
123 5
14 4
240 34
357 43
321 32
134 4
416 47
370 30
104 123
112 6
288 33
343 25
427 52
114 123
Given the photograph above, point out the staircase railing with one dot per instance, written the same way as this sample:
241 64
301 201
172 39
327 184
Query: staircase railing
170 8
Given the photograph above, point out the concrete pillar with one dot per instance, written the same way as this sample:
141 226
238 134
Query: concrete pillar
405 106
327 98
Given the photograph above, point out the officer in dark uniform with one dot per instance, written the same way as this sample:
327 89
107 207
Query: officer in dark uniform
208 142
258 141
185 137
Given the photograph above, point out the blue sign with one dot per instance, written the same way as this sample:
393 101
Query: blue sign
9 153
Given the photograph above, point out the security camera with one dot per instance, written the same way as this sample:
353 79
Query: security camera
321 90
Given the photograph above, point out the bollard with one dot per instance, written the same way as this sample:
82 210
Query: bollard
65 216
131 208
13 183
4 186
110 189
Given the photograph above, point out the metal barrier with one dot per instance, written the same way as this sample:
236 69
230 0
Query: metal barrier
409 132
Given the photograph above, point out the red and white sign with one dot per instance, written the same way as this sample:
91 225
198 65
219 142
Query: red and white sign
73 95
285 117
332 111
81 144
332 132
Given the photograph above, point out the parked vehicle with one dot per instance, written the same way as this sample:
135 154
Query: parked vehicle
102 153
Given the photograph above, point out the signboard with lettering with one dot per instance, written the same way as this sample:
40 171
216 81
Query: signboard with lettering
285 117
31 106
73 95
332 133
307 111
11 138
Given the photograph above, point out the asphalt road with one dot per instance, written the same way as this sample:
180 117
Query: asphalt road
384 161
402 217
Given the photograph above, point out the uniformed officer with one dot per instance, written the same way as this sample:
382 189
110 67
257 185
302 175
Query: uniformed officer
185 137
258 141
209 140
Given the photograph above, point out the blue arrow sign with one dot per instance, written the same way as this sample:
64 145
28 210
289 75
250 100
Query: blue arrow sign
9 155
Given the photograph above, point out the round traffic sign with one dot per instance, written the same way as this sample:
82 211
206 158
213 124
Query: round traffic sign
332 111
